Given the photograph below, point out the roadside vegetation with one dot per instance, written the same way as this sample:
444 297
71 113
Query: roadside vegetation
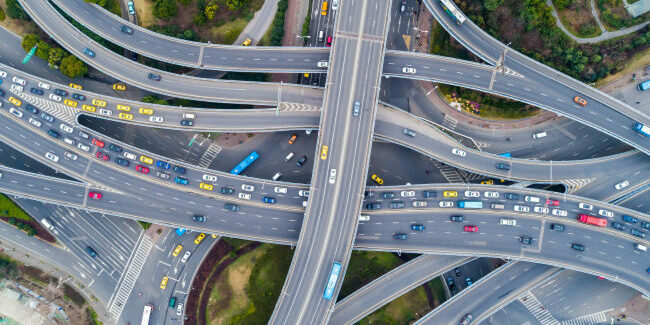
110 5
274 35
614 16
576 17
11 213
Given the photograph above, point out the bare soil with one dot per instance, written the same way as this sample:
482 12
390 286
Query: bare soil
577 18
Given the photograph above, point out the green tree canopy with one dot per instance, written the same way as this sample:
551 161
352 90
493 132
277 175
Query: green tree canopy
73 67
165 9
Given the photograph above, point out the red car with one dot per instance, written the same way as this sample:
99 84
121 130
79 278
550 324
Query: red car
329 41
95 195
102 155
142 169
98 143
552 202
471 228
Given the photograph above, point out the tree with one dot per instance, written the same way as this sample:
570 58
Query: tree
491 5
54 59
29 40
211 9
43 50
16 11
236 4
165 8
73 67
99 2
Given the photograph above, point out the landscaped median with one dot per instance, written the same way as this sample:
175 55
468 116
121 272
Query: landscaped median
17 217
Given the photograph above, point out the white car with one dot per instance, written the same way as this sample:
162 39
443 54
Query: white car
3 74
606 213
278 189
19 81
446 204
83 135
55 97
408 193
179 310
472 194
585 206
364 218
186 256
322 64
459 152
129 155
43 85
66 128
35 122
491 194
245 196
16 88
83 147
621 185
105 112
508 222
558 212
69 141
521 208
304 203
51 156
16 112
209 178
543 210
419 204
156 119
70 155
332 176
303 193
248 188
410 70
335 4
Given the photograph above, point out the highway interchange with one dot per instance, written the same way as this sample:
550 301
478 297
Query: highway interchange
147 197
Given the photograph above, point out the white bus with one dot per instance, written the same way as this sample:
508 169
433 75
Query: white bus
146 314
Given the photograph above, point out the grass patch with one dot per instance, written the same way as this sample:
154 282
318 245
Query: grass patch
365 267
438 289
614 16
92 315
228 32
9 209
75 297
145 225
577 18
403 310
236 243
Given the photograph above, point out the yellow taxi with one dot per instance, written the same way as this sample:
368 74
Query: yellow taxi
247 42
206 187
377 179
119 87
450 194
15 101
163 283
88 108
146 111
125 116
199 238
323 152
99 102
488 182
306 75
214 236
146 160
123 108
70 103
75 86
177 250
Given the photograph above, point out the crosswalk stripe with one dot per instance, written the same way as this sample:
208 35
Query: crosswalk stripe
209 155
450 173
539 312
590 319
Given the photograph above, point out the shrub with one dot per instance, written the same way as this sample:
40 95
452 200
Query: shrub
73 67
16 11
2 14
165 9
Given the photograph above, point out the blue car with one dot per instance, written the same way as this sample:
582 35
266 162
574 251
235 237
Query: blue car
122 162
89 52
267 199
32 109
180 170
131 7
417 227
162 164
36 91
181 180
631 219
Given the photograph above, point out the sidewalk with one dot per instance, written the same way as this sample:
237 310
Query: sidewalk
293 20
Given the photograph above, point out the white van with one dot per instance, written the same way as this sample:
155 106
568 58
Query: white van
529 198
188 115
364 217
288 157
276 176
321 34
539 135
48 225
497 206
641 247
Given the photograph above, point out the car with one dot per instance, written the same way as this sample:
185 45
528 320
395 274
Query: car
199 238
113 147
459 152
44 85
637 233
332 178
525 240
558 212
248 188
521 208
293 138
605 213
163 175
181 180
122 161
578 247
125 116
142 169
396 205
322 64
557 227
323 152
16 88
387 195
131 7
542 210
450 283
303 193
32 109
180 170
15 101
129 155
488 182
472 194
186 256
457 271
364 217
377 179
429 194
91 252
89 52
466 319
268 199
232 207
162 164
329 41
470 228
417 227
51 156
579 101
278 189
400 236
78 97
126 30
105 112
621 185
356 109
410 133
468 281
227 190
207 187
125 108
446 204
187 122
53 134
373 206
177 250
83 146
172 302
585 206
489 194
84 135
69 141
95 195
503 166
450 194
301 161
163 282
145 111
19 81
55 97
247 42
179 309
88 108
99 102
618 225
209 178
66 128
98 143
407 193
102 155
2 93
60 92
419 204
629 219
456 218
156 119
507 222
409 70
198 218
48 117
36 91
146 160
155 77
70 155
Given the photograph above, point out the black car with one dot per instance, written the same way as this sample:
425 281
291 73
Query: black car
400 236
512 196
301 161
78 96
134 56
122 161
373 206
503 166
53 133
36 91
126 29
2 93
396 205
32 109
526 240
645 225
429 193
198 218
153 77
557 227
457 271
187 122
451 284
91 251
115 148
180 170
48 117
387 195
369 194
618 225
227 190
457 218
578 247
637 233
232 207
60 92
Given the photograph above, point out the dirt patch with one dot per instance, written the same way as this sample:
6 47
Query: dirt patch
228 140
17 26
577 18
144 9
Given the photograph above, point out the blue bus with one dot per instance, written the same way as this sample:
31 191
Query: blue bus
331 282
245 163
470 204
638 127
644 85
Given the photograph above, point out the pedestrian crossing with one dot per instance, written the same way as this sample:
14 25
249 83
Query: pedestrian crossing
449 173
129 277
595 318
539 312
209 155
